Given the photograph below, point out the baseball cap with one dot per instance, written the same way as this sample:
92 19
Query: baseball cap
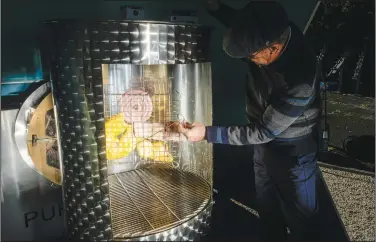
256 25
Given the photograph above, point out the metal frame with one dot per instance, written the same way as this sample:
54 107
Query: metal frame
20 128
74 52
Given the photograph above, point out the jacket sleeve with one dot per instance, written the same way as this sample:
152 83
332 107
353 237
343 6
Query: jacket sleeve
225 14
282 111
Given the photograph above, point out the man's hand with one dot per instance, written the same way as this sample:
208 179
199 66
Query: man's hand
211 5
157 131
193 132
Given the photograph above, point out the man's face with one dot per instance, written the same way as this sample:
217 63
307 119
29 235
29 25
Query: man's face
267 55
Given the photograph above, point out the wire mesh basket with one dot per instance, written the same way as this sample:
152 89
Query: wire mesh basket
138 117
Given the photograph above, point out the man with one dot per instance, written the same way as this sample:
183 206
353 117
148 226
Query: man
282 110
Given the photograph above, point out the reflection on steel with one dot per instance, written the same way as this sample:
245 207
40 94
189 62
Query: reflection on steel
157 199
76 54
133 42
27 197
20 129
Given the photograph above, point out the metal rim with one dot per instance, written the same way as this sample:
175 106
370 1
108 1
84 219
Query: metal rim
126 21
207 206
20 126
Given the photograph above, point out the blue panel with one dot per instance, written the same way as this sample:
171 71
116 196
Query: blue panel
17 81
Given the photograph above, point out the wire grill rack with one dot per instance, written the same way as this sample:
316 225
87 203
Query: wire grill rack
157 89
151 200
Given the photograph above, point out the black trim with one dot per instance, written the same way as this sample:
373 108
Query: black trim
15 102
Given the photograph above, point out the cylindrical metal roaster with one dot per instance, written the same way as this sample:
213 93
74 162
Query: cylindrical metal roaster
117 85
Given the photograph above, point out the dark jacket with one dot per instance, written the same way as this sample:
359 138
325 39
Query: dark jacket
281 107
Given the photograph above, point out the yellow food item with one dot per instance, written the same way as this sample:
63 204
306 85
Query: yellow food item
156 151
119 137
161 153
145 149
120 142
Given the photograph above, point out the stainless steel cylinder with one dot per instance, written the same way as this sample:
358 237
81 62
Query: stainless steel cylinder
117 85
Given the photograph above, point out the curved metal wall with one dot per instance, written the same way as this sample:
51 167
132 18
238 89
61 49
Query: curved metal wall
74 52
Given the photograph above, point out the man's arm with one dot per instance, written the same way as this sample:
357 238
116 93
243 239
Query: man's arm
278 116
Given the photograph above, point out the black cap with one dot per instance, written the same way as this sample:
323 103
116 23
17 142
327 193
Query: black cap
256 25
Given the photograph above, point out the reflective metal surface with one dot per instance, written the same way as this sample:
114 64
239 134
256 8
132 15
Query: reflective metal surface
31 205
132 42
21 122
74 53
148 201
192 230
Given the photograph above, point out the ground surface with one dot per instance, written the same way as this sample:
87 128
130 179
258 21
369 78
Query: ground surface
353 193
352 116
354 197
349 115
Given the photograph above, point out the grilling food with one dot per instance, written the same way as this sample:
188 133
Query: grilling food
120 142
119 137
136 105
52 154
156 151
161 153
145 149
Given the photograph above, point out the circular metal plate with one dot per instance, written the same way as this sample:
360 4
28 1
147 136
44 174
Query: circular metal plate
30 118
153 200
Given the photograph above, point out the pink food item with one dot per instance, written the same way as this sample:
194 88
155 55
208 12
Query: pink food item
136 106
